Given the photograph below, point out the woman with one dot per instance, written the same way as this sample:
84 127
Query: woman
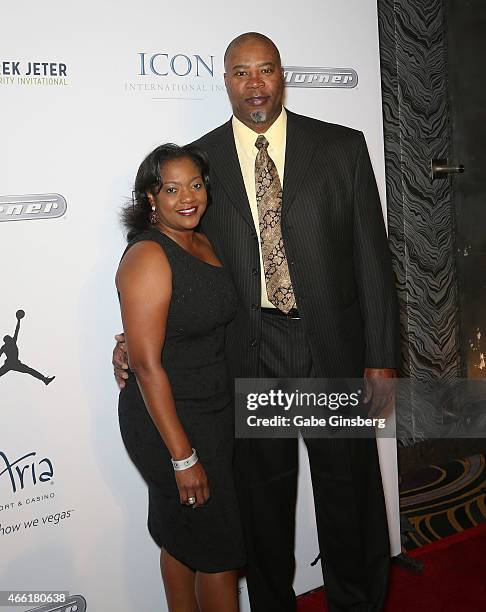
175 413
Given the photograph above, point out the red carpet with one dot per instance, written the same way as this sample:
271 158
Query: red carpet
453 580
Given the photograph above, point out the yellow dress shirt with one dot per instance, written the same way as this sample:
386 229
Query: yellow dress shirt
245 139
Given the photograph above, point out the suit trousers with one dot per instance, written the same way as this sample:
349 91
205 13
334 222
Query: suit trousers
348 498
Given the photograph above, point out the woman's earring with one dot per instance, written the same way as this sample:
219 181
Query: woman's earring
154 217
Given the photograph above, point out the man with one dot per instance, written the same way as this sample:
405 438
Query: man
296 218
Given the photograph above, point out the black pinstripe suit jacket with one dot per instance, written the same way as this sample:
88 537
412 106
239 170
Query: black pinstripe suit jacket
336 245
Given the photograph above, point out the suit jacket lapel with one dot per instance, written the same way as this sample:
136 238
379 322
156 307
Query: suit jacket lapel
226 166
299 150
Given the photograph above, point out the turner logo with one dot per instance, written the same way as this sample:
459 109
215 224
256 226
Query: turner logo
37 206
25 470
299 76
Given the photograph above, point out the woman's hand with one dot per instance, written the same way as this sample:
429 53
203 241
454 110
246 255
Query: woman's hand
193 482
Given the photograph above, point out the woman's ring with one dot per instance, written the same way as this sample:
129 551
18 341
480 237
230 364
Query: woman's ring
191 501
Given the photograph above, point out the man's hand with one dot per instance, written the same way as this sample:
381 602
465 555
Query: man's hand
379 391
120 360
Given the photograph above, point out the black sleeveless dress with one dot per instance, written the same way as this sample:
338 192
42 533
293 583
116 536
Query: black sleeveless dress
208 538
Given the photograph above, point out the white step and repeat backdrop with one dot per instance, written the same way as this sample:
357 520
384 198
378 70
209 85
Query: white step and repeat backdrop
86 90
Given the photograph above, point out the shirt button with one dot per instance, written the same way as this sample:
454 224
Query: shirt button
254 307
253 343
254 271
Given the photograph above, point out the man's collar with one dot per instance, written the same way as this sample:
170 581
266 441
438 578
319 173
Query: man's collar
275 133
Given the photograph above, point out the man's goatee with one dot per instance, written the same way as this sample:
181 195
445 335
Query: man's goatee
258 116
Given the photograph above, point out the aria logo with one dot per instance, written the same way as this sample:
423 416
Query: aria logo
11 352
73 603
38 206
299 76
26 470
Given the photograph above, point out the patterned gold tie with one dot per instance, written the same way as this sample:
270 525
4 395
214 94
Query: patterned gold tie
269 204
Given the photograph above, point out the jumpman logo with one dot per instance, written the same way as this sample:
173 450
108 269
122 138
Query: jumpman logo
11 351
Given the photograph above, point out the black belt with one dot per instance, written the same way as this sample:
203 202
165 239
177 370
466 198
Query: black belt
293 313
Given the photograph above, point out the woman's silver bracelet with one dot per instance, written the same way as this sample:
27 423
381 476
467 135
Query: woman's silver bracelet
185 464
